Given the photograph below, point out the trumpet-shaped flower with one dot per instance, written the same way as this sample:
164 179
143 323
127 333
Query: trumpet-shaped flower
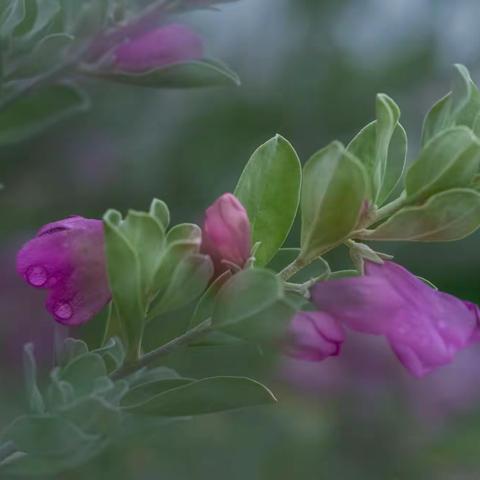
424 327
68 259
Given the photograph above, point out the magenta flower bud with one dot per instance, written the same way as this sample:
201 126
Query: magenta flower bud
314 336
158 48
424 327
67 257
226 233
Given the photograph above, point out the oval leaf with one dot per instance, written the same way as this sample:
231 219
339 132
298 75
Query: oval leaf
269 189
333 194
204 396
450 160
446 216
198 73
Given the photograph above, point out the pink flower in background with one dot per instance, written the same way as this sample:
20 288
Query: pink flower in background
67 257
158 48
424 327
226 233
314 336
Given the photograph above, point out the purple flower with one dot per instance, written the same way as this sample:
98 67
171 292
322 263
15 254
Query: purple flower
67 257
314 336
158 48
424 327
226 233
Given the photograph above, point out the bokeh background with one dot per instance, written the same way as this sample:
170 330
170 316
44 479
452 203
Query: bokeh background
310 71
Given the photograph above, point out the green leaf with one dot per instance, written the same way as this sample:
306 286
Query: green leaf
285 256
11 15
381 147
123 266
46 54
204 396
37 465
450 160
446 216
206 304
60 392
197 73
72 348
180 257
146 391
93 415
269 189
82 372
252 306
147 237
39 14
114 350
333 194
151 375
34 396
39 110
160 211
460 107
46 435
188 281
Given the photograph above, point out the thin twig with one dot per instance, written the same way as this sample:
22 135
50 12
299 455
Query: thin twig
166 349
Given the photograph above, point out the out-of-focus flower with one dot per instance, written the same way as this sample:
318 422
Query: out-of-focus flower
314 336
67 257
424 327
226 233
158 48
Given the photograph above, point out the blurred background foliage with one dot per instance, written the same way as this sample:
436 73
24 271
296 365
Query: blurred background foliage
310 71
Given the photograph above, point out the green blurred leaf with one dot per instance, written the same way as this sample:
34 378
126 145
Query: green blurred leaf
147 391
446 216
160 211
460 107
113 349
93 415
11 15
34 396
197 73
46 435
269 189
82 372
38 15
333 194
450 160
151 375
204 396
39 110
46 54
123 268
71 348
382 147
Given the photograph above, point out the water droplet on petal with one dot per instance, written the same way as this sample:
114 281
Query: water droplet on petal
63 311
37 276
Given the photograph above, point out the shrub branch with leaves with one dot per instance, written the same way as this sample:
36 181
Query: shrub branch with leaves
234 274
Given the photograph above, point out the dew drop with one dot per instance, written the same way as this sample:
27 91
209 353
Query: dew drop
36 276
63 311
